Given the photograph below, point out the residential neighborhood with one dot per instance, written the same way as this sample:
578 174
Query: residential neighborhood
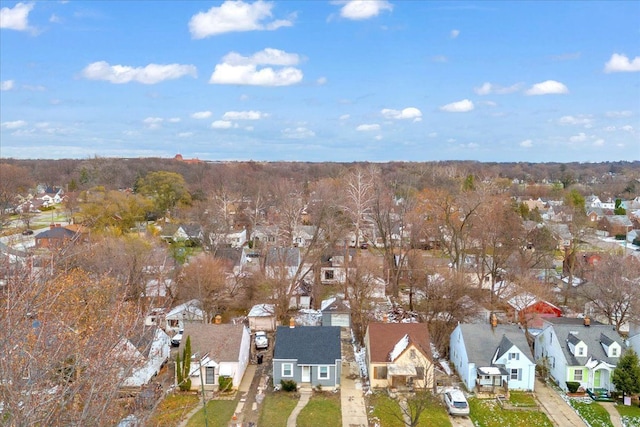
465 296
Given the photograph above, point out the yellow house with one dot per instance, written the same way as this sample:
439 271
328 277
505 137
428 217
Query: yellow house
399 355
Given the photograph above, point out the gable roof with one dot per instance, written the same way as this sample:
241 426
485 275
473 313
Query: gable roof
283 257
313 345
334 305
56 233
222 342
483 342
384 337
572 330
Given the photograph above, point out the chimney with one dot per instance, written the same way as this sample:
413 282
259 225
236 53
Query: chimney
217 320
52 226
385 318
292 322
493 319
587 321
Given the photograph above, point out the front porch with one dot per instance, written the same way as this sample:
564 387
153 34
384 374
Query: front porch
492 382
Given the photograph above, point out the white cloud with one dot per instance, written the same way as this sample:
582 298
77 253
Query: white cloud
581 137
527 143
185 134
458 107
150 74
222 124
7 85
201 115
583 120
471 145
490 88
489 103
363 9
598 142
454 33
244 115
409 113
439 58
249 128
153 122
16 18
432 134
55 19
235 16
321 81
378 137
174 120
299 132
345 117
548 87
621 63
618 114
627 128
14 124
368 127
609 129
243 70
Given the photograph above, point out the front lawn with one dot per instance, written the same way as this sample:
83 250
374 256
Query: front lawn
219 413
487 413
522 399
592 412
276 408
630 415
388 413
173 409
322 410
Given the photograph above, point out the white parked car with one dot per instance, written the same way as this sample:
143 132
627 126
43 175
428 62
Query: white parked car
456 402
175 341
261 340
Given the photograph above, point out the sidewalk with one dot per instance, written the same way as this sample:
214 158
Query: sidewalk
613 413
354 409
305 395
559 411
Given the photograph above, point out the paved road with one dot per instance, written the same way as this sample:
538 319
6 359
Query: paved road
559 411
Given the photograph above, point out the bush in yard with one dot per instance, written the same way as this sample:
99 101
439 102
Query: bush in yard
573 386
289 385
626 376
224 383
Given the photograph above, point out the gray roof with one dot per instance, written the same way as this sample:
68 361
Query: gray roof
482 341
569 329
221 342
313 345
287 257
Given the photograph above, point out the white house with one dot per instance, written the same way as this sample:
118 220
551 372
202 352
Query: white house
492 360
141 356
217 350
182 314
580 350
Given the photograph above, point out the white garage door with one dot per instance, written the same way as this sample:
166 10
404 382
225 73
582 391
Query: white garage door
340 320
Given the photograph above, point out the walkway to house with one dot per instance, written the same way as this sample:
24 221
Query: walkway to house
354 409
305 395
613 413
559 411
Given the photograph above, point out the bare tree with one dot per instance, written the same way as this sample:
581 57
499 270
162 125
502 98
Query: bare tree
359 197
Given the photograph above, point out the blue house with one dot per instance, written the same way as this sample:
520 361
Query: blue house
308 355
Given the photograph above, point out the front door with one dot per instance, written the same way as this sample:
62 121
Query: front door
306 374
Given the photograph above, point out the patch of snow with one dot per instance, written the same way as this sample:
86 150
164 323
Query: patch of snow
399 348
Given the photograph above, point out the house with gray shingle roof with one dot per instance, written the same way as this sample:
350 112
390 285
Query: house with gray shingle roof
580 350
492 359
216 350
308 355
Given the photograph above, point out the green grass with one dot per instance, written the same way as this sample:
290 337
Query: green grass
219 413
388 413
322 410
276 408
487 413
521 398
592 412
630 415
173 409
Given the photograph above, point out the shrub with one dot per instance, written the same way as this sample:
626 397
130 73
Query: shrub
573 386
224 383
288 385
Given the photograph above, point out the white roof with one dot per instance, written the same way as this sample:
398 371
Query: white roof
490 370
399 348
192 307
262 310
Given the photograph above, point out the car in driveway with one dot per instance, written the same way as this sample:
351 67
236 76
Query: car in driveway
456 403
261 340
175 340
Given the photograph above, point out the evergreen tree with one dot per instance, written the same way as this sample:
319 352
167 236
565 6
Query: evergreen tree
179 375
626 376
186 366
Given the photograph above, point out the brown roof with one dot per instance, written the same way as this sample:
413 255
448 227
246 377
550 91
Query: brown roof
222 342
384 336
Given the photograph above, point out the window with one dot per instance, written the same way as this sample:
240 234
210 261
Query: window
515 374
580 351
323 373
614 351
412 354
209 377
328 275
420 372
380 372
514 356
287 369
577 375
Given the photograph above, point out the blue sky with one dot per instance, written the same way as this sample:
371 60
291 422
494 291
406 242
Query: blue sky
321 80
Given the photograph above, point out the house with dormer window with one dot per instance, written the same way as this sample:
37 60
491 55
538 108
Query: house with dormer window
580 350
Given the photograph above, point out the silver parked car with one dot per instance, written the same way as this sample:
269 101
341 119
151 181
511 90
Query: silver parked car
261 340
456 402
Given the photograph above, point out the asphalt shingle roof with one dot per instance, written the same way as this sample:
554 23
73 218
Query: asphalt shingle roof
383 338
482 341
222 342
312 345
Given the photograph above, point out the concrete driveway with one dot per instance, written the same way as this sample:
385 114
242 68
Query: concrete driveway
559 411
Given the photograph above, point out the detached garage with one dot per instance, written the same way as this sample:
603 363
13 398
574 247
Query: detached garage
335 312
262 317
